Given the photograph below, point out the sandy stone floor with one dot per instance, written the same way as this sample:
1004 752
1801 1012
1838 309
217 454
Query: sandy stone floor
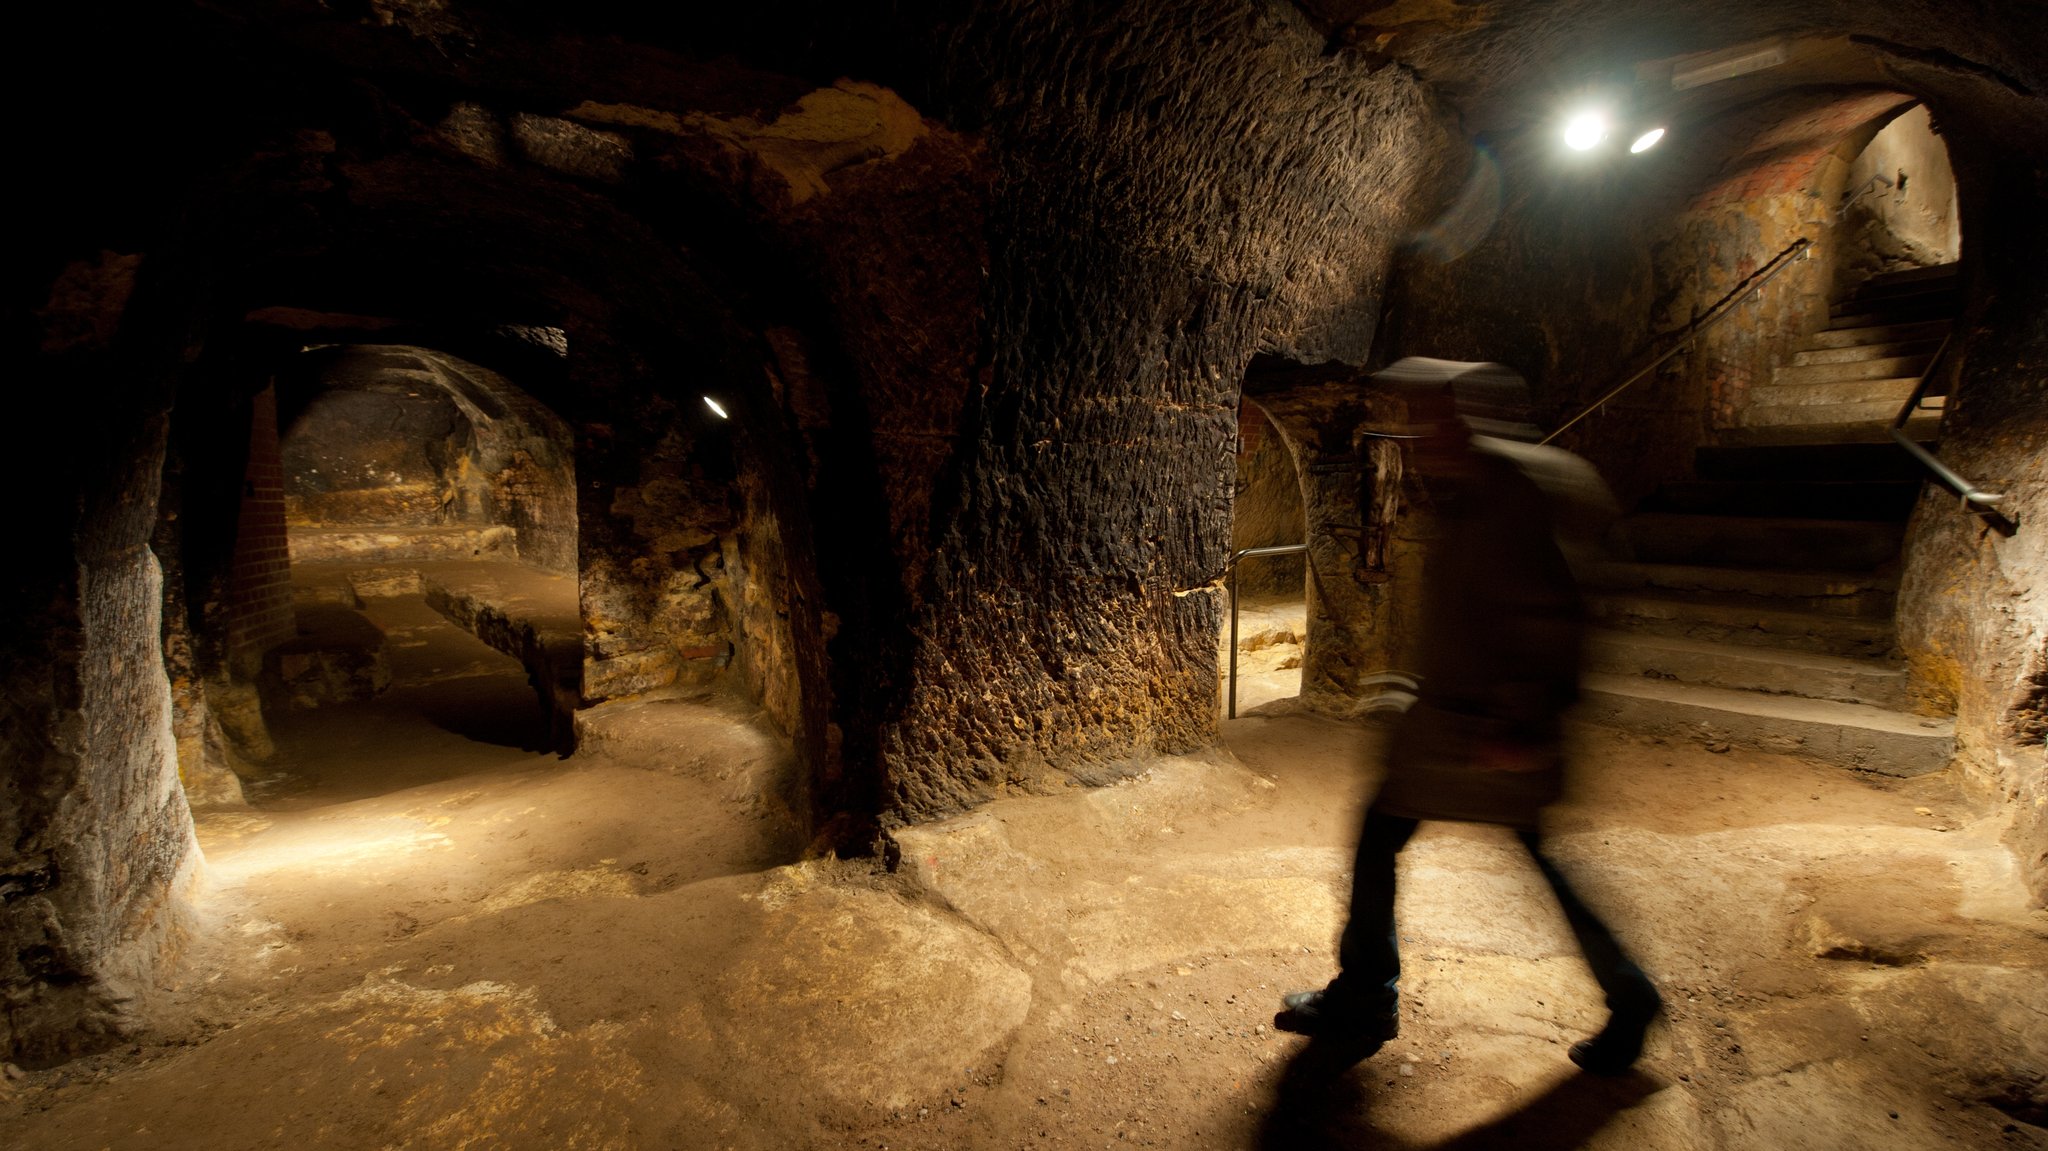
427 934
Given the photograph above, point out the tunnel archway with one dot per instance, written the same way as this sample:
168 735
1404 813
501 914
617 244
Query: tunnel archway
415 481
308 478
651 337
1898 209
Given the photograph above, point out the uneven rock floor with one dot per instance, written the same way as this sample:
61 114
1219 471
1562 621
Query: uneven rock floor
427 935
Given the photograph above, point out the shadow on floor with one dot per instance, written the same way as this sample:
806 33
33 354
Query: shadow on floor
1322 1102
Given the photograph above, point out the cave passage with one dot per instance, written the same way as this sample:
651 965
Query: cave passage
425 720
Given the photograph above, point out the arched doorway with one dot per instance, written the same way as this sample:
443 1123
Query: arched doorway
1897 211
1271 604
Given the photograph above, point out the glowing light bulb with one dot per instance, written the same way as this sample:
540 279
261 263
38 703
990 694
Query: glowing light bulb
1585 130
715 408
1647 140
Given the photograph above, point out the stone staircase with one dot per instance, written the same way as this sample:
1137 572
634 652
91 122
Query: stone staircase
1758 611
1848 380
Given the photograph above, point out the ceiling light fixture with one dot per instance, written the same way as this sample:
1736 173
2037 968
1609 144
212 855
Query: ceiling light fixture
1713 67
1647 140
715 408
1585 131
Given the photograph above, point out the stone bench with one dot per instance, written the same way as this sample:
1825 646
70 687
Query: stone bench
522 611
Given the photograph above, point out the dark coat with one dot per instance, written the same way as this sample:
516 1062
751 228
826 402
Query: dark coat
1503 624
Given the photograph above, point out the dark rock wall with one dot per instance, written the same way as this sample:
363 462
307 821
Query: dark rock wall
222 540
384 454
1973 600
875 218
204 767
1165 206
97 852
519 468
656 505
100 849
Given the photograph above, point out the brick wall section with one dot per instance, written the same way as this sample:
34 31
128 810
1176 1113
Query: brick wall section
259 580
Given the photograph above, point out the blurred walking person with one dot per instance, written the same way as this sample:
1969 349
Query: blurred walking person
1498 662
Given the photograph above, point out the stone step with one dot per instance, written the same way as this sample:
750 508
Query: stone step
1858 353
1761 542
1805 499
1882 462
1854 336
1850 391
1900 299
1924 428
1739 667
1879 291
1929 273
374 544
1867 595
1744 620
1872 368
1846 734
1851 314
1880 412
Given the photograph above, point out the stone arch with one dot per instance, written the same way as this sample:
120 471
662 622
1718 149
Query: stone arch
1356 609
1898 208
1267 509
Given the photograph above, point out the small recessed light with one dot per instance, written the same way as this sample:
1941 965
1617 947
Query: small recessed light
1647 140
715 408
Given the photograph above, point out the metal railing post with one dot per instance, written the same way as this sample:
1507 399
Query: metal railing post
1970 493
1230 582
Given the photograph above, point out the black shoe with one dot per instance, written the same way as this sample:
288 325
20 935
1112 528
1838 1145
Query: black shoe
1314 1014
1620 1043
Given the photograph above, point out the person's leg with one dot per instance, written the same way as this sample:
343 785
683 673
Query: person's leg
1361 1000
1369 952
1632 1001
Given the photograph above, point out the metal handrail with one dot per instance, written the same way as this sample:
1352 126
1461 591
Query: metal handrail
1970 493
1230 580
1691 333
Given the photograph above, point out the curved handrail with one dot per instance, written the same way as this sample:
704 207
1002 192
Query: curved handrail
1691 332
1970 493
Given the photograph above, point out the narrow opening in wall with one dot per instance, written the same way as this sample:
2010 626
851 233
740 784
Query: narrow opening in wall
1897 215
1266 510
